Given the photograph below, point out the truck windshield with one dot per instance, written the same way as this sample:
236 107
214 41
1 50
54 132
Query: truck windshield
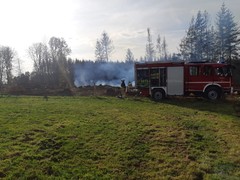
142 78
223 71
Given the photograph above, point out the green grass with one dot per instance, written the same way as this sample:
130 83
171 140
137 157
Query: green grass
111 138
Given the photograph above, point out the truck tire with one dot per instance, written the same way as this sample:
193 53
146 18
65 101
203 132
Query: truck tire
158 94
212 93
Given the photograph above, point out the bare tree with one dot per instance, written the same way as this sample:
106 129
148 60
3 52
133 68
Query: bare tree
18 66
38 52
51 67
2 66
59 51
7 55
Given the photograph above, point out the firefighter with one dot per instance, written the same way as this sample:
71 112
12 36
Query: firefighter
123 88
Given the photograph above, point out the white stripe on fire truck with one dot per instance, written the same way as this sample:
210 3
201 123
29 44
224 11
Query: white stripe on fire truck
220 82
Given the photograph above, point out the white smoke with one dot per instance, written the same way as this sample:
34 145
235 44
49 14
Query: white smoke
103 73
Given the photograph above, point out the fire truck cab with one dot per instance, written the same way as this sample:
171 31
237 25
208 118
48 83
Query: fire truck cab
161 79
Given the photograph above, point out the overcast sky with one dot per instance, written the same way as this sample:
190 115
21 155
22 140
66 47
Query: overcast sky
81 23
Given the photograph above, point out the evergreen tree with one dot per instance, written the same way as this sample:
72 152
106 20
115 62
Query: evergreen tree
99 51
198 43
141 59
227 34
107 46
201 29
164 49
210 48
129 56
149 47
104 48
159 48
187 43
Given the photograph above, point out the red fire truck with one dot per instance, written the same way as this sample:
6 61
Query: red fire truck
161 79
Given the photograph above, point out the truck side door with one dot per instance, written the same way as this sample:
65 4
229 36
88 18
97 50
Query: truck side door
192 78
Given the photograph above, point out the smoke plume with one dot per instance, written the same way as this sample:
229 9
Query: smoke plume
103 73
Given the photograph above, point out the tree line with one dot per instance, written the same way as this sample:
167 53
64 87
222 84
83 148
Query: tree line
104 48
204 41
53 69
214 43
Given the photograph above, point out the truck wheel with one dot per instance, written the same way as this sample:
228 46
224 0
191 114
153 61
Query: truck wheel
212 93
158 95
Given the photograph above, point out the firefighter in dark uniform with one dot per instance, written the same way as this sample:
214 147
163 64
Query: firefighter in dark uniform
123 88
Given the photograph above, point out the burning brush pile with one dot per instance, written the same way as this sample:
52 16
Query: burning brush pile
89 73
102 78
101 90
105 90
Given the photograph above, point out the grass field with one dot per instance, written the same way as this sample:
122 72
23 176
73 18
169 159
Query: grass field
111 138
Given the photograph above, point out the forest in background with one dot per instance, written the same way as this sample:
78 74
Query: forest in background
55 70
